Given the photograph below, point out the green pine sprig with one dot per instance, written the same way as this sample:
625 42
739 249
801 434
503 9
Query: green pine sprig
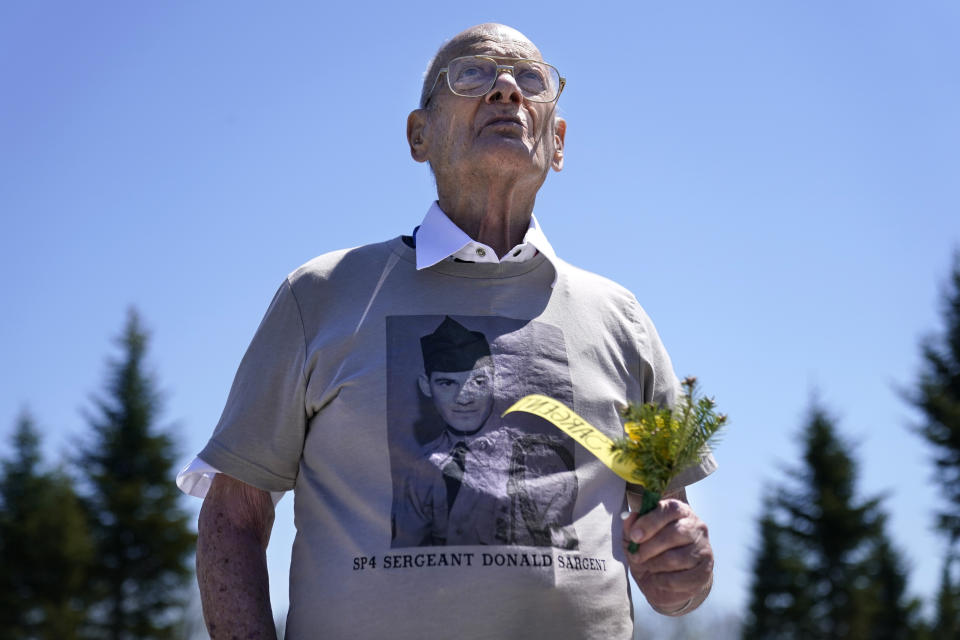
661 442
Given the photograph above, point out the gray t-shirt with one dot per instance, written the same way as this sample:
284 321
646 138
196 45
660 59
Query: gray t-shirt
521 537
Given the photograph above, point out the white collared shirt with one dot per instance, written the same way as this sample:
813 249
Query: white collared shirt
438 238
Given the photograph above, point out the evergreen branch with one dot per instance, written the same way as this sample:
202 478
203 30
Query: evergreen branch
660 442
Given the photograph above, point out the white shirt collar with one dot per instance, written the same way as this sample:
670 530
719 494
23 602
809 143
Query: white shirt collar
438 238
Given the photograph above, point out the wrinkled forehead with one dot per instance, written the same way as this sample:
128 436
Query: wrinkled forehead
494 40
506 43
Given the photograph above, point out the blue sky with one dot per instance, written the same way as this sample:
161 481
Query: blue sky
777 183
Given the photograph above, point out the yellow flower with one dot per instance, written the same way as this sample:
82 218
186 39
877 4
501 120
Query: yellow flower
661 441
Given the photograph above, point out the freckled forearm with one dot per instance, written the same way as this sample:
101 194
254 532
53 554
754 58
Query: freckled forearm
233 579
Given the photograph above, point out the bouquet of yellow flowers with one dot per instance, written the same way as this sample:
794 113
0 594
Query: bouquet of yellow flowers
661 442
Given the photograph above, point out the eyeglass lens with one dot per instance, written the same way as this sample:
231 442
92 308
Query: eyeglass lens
473 76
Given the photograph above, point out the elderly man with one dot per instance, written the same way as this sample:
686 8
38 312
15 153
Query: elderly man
311 406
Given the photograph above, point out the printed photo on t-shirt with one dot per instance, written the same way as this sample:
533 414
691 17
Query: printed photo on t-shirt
462 474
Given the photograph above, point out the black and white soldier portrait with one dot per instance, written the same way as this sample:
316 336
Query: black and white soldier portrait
474 478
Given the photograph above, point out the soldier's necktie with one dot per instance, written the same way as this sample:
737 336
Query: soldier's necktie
453 471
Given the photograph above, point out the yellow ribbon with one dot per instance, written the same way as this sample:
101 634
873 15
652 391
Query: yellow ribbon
565 419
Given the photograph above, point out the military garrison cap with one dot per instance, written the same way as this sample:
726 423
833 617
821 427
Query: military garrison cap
453 347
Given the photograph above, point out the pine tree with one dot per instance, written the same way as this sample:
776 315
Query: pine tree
142 536
893 614
825 519
937 395
824 563
778 606
45 547
947 622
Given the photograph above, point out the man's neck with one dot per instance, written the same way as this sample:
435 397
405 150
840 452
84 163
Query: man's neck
498 215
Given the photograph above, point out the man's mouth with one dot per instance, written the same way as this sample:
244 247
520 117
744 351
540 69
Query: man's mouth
500 121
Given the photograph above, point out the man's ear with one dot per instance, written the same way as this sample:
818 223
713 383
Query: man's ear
560 130
424 381
416 126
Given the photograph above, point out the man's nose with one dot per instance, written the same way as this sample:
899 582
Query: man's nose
466 395
505 89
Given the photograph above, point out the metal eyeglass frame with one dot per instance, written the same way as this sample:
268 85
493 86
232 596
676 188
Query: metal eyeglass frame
500 69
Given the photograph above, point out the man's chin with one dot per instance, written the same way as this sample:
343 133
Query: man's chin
466 423
505 152
505 137
464 427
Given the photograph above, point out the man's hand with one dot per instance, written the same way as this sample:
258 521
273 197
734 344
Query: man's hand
673 561
233 531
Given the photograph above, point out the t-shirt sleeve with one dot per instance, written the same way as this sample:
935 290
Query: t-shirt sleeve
661 386
259 438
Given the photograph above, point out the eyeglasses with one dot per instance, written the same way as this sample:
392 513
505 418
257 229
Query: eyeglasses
474 76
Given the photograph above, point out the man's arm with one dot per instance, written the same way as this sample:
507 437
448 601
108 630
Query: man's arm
673 563
233 532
